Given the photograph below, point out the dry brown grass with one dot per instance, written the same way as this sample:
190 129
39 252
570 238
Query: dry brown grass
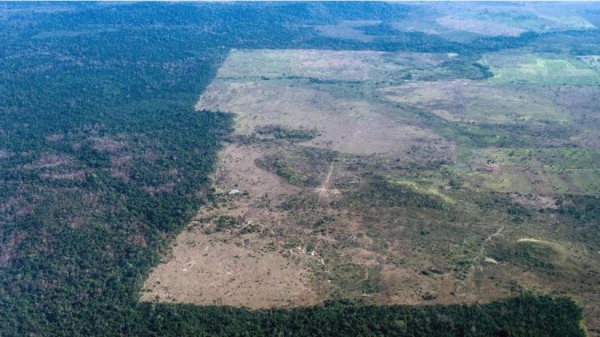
210 266
345 125
215 269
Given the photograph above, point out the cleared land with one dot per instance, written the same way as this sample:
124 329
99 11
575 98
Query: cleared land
480 102
223 257
351 125
348 30
300 145
479 26
342 180
474 20
540 69
321 65
539 171
530 17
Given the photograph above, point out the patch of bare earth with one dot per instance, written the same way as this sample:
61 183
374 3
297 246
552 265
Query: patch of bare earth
227 255
535 201
210 269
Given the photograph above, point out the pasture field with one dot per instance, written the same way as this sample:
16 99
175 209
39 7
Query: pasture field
466 22
540 69
480 102
539 171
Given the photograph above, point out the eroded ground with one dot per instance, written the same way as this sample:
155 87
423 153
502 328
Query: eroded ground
344 178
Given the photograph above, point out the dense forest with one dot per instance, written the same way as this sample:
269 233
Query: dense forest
103 160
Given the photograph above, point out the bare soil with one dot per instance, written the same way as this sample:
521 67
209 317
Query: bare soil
216 270
240 266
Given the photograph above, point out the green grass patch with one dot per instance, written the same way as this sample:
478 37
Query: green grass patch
425 185
550 19
553 158
529 170
540 69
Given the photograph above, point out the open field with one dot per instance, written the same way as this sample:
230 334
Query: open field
348 30
466 22
527 17
480 102
341 181
346 124
231 274
540 171
481 27
225 246
262 65
540 69
593 61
